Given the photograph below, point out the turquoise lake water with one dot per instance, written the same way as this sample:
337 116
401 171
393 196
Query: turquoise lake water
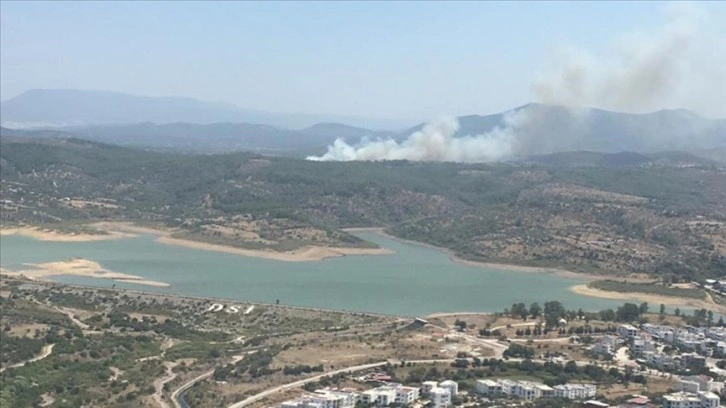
415 280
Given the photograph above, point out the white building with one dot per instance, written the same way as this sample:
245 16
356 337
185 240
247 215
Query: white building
544 391
641 345
695 383
440 397
490 388
324 399
406 395
603 348
450 385
627 330
427 386
575 391
389 394
691 400
662 361
297 404
381 396
716 333
691 387
507 386
529 390
347 397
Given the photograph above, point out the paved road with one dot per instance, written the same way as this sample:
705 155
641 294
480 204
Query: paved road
160 382
44 352
176 396
300 383
495 345
514 325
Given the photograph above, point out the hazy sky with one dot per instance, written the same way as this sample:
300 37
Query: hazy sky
376 59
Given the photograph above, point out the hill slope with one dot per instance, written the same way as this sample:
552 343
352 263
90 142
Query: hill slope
605 219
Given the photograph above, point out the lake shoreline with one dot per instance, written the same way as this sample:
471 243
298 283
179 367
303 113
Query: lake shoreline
119 230
652 299
79 267
490 265
112 230
45 234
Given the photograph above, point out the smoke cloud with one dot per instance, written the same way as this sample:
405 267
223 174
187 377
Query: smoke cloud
641 72
638 75
435 142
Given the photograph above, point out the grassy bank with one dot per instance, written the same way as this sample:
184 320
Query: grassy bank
649 288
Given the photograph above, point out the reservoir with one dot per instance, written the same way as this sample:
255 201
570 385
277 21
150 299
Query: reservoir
414 280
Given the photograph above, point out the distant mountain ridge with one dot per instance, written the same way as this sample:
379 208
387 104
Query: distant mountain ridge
72 107
554 128
548 129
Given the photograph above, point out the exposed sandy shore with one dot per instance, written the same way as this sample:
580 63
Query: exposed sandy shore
490 265
79 267
652 299
307 253
119 230
51 235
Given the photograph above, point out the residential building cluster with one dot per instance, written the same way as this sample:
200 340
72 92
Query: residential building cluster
529 390
325 398
694 345
700 399
440 395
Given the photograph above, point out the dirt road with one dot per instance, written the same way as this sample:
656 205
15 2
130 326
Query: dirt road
159 385
45 352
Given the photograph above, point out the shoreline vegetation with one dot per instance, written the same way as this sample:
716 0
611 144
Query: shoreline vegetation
46 234
109 230
651 298
79 267
492 265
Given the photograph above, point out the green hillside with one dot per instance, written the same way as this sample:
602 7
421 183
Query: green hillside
652 219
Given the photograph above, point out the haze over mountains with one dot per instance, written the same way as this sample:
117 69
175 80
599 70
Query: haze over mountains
74 107
191 125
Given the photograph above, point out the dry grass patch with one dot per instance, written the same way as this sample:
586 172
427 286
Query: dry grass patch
28 330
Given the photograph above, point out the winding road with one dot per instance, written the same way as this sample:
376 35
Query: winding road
44 352
178 395
300 383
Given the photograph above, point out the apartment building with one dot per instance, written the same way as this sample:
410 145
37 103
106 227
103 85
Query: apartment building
440 397
450 385
427 386
691 400
529 390
389 394
627 330
323 399
575 391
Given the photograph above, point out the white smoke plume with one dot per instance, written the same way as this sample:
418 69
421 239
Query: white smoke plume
640 73
637 76
435 142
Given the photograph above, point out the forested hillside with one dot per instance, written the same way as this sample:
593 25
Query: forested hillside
652 217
